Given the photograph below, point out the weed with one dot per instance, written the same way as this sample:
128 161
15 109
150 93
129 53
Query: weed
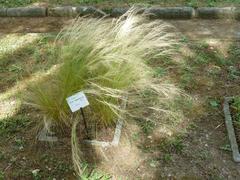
36 174
201 58
186 80
204 155
214 103
173 145
153 163
146 126
234 72
211 3
214 70
13 160
167 158
236 107
160 72
1 175
63 167
234 51
184 39
192 3
2 156
93 174
15 68
19 143
178 144
226 147
12 125
192 126
135 136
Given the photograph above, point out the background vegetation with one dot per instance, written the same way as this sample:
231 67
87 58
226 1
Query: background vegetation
193 3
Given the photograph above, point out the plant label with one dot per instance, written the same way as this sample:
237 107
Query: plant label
77 101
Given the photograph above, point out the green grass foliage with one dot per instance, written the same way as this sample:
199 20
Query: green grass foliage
107 61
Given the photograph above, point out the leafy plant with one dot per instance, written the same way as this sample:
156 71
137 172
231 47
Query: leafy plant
2 156
175 145
1 175
214 103
94 174
13 124
167 158
146 126
234 72
226 147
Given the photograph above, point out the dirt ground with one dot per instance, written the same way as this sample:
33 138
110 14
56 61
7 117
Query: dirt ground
201 153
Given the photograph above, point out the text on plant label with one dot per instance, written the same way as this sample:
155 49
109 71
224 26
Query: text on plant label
77 101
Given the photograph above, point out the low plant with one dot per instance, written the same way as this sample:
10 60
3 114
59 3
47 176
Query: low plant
1 175
9 126
236 107
107 59
93 174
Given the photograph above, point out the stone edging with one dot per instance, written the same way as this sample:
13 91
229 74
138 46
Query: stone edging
154 12
230 129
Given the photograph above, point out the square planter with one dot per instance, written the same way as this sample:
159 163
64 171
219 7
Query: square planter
116 137
46 136
117 133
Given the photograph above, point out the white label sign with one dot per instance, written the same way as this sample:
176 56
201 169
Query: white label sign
77 101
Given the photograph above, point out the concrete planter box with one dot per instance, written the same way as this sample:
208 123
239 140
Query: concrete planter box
45 136
230 129
114 142
117 133
27 12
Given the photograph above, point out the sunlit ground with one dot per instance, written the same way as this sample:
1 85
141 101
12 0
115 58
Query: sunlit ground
22 57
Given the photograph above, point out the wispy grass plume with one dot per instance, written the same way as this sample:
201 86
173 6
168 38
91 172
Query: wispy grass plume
108 60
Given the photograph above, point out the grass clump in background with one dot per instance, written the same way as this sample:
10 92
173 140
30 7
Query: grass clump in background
107 60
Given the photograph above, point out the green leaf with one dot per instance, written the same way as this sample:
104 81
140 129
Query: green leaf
214 103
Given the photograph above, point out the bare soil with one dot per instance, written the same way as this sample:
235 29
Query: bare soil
198 154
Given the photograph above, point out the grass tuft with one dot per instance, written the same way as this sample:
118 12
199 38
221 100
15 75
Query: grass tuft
108 61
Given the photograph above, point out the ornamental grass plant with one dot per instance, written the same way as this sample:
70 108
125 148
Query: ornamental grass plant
107 60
